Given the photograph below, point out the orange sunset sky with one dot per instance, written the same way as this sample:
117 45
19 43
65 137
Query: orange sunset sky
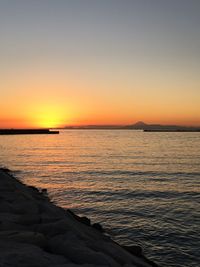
99 62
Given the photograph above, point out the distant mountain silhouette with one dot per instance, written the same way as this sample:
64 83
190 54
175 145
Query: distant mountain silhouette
140 125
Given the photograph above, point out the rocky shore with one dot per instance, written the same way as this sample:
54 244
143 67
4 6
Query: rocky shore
36 233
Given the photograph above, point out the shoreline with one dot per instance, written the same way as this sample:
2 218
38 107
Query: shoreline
42 234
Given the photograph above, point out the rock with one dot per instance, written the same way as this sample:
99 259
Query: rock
52 228
33 231
5 170
24 207
135 250
98 227
111 249
83 219
50 210
5 206
29 219
44 191
15 254
70 246
9 217
11 226
33 188
78 265
45 217
27 237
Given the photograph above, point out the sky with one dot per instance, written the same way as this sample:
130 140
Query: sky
76 62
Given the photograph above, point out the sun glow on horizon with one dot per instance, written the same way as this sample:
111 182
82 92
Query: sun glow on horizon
49 117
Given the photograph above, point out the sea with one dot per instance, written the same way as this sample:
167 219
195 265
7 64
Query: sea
143 187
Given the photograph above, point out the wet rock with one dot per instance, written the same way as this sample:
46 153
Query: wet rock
98 227
5 170
135 250
44 191
150 262
45 207
85 220
33 188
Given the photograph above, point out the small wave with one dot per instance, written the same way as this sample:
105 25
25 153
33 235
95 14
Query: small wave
134 173
137 194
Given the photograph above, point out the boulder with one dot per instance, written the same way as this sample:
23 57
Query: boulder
76 250
27 237
135 250
51 229
98 227
15 254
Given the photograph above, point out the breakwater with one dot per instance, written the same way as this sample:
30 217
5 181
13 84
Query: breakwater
26 131
40 234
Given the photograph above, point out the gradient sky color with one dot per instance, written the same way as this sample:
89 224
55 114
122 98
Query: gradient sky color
99 62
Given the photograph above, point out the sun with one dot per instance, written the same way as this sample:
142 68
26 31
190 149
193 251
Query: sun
49 117
50 121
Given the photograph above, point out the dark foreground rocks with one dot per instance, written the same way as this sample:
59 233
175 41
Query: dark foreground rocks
36 233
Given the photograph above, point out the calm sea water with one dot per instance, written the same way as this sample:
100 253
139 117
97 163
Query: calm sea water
143 187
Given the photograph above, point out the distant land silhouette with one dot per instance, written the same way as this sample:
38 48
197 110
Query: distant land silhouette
161 128
140 125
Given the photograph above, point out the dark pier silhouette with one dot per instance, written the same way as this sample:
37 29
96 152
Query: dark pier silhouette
26 131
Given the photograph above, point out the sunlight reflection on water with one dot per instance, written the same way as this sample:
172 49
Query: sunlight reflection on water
143 187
